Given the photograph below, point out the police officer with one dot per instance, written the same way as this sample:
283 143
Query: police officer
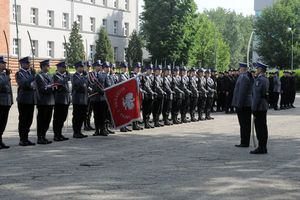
178 97
201 83
195 93
87 122
260 108
94 89
124 76
157 87
284 90
184 81
6 98
209 86
79 99
137 74
276 90
26 99
242 102
147 104
62 96
45 101
167 106
104 82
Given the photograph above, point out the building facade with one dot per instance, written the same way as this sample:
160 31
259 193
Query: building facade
48 22
259 6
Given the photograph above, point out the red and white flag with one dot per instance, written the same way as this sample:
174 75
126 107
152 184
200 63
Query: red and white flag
124 102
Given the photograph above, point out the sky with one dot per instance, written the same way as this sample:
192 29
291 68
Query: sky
246 7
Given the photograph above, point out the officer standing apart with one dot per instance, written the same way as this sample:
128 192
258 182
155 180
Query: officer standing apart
79 99
62 97
45 101
260 108
6 98
26 99
242 102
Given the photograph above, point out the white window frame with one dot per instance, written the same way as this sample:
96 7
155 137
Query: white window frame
50 18
34 16
65 20
16 47
50 49
115 30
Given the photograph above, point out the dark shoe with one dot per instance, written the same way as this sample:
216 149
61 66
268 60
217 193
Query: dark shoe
86 128
48 141
64 138
194 119
97 133
242 145
23 143
209 118
259 151
42 141
104 133
128 129
29 143
123 130
57 139
79 136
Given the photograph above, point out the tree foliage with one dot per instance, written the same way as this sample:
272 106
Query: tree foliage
208 48
274 40
134 52
104 51
235 29
165 26
75 47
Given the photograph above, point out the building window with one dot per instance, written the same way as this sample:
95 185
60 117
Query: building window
65 21
50 49
126 4
93 24
16 47
50 20
116 3
64 48
79 21
115 53
104 23
115 27
93 1
126 29
92 51
35 48
17 13
104 2
34 16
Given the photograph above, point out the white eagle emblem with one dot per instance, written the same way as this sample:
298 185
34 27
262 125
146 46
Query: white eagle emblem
128 101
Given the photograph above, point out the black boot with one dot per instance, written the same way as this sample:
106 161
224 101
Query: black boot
135 126
97 132
103 132
86 127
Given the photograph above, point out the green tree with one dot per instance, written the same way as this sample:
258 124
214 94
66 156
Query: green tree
235 30
134 52
104 51
165 27
208 49
274 41
75 47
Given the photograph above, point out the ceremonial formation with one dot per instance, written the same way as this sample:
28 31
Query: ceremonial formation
168 95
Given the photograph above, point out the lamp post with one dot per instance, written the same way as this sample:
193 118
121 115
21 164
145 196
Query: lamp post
292 61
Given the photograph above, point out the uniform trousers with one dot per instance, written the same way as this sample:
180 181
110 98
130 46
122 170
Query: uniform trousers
79 115
244 117
25 120
4 110
261 128
59 117
44 116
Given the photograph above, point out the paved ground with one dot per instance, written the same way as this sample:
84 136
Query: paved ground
192 161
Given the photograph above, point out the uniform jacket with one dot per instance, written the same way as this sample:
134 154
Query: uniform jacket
45 93
193 86
183 85
105 81
260 94
201 87
277 84
146 83
6 97
94 87
167 87
123 77
26 87
63 94
242 95
210 87
79 89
